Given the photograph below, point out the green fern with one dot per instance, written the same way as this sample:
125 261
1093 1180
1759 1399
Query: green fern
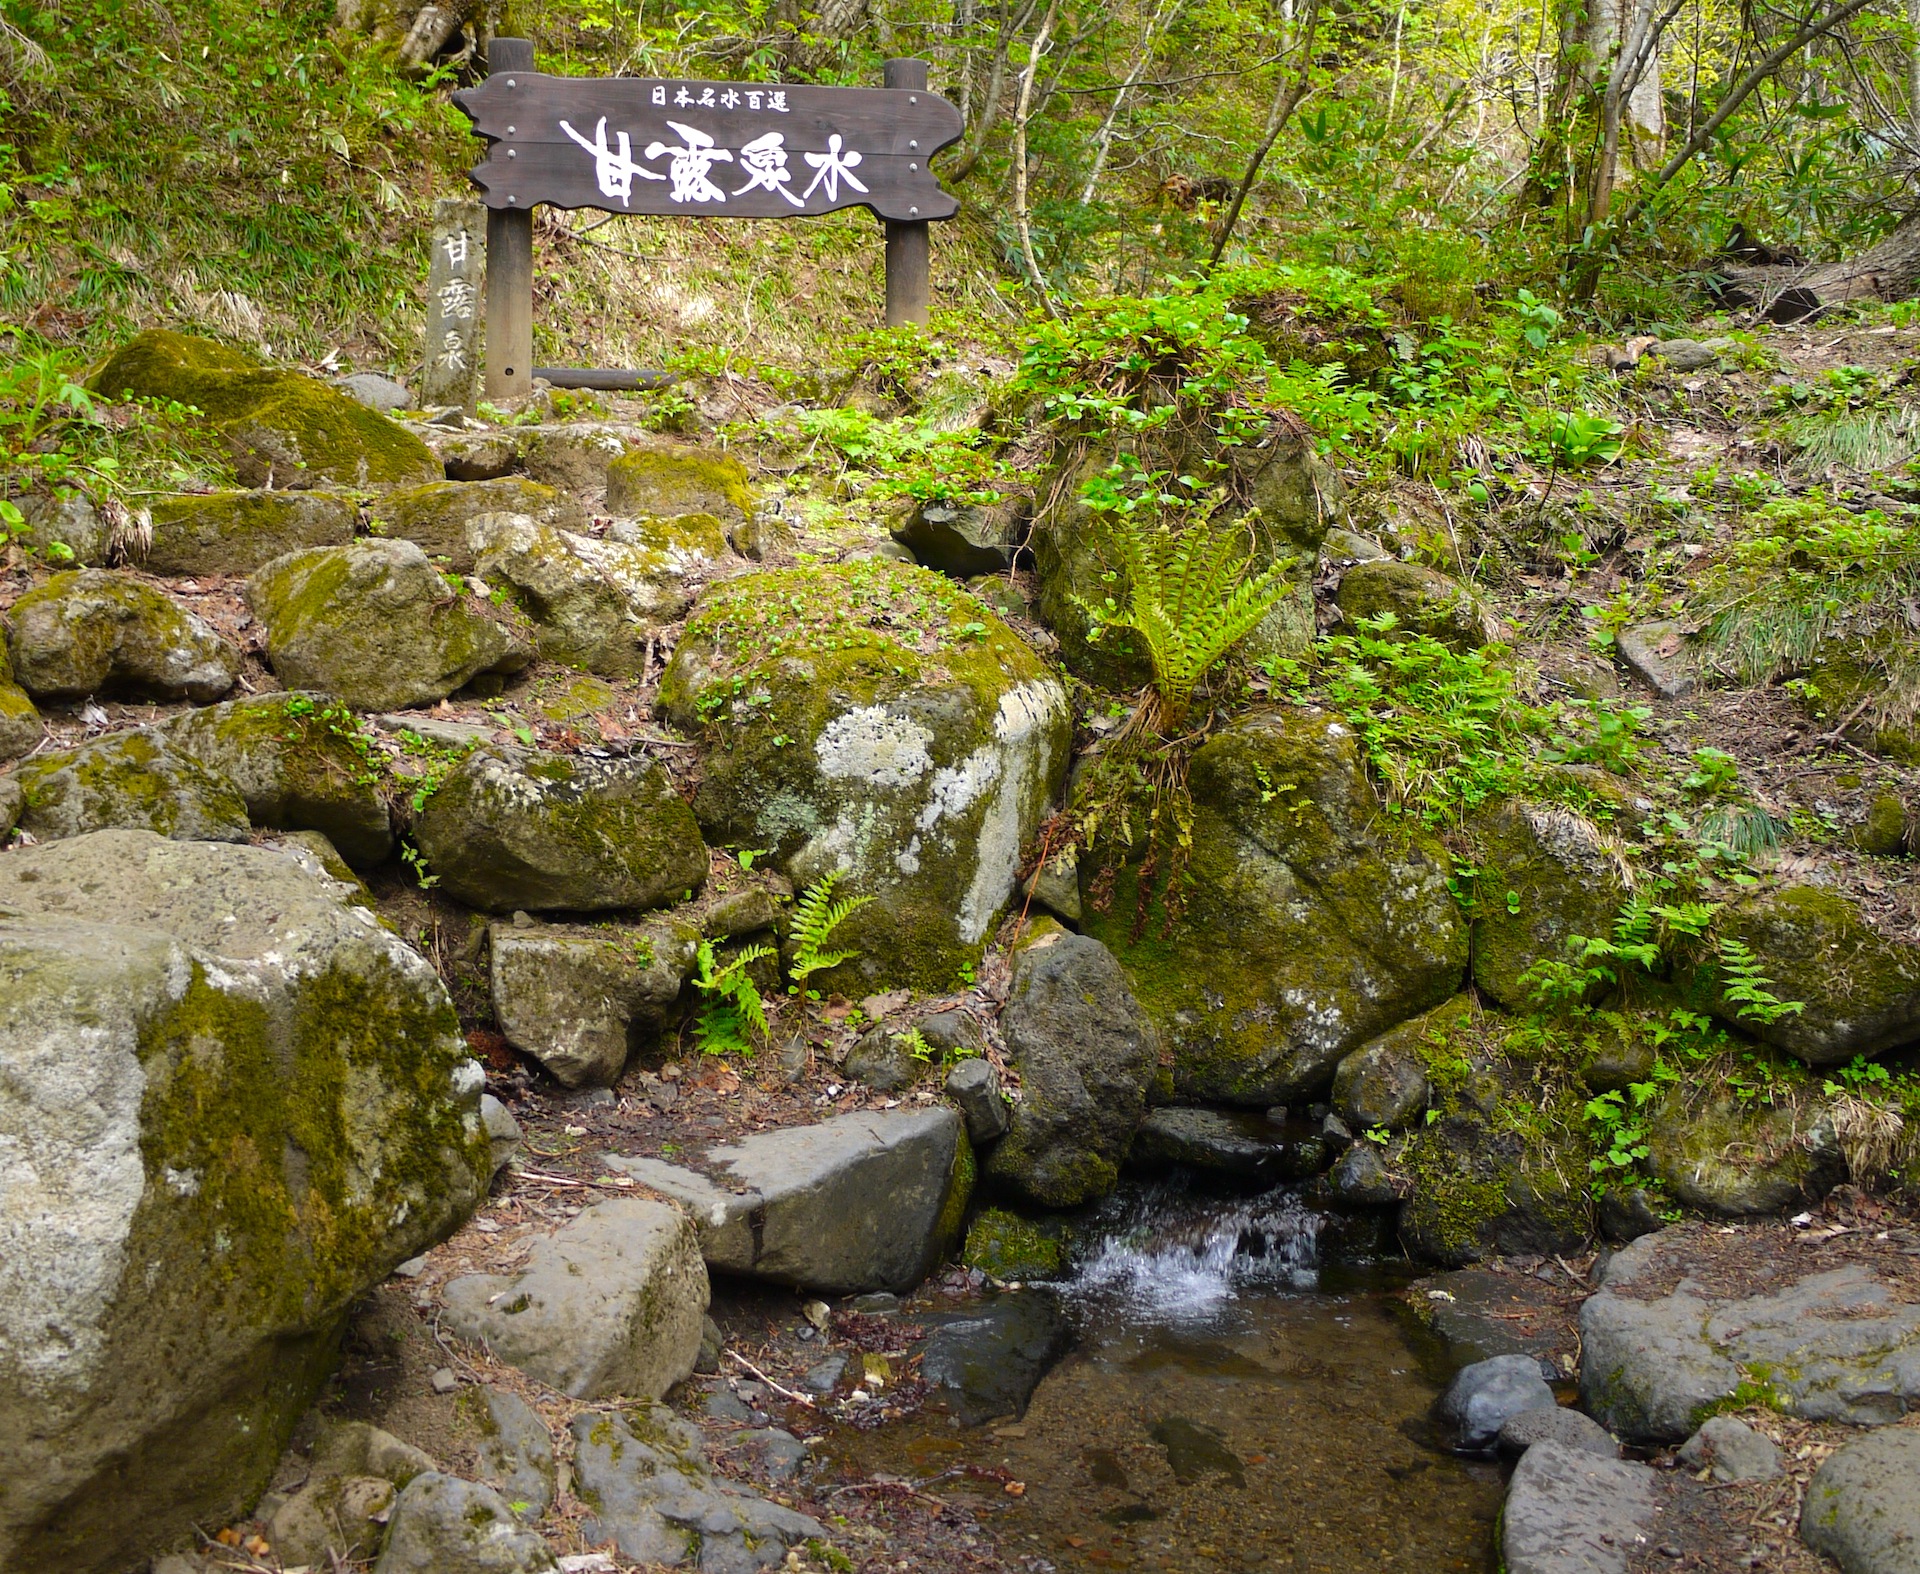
735 1016
1745 987
815 917
1192 596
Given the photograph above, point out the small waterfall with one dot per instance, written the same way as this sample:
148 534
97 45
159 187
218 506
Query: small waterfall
1167 1255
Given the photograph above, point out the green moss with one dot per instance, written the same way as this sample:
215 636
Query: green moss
951 1224
279 421
676 481
291 1186
436 515
1010 1247
129 781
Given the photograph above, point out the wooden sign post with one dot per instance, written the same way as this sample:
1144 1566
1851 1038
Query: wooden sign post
705 149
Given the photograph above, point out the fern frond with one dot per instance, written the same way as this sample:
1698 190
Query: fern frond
815 917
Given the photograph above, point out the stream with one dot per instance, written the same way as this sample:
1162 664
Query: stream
1243 1394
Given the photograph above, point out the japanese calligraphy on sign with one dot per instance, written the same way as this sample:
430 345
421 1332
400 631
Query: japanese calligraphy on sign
716 149
456 274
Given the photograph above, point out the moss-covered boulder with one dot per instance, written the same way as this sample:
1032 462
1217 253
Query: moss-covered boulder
301 762
1422 601
1479 1185
1334 920
209 533
1847 686
579 998
435 517
234 1103
1730 1156
1383 1083
285 429
668 479
1079 563
376 625
1011 1247
510 828
132 781
1858 989
874 719
20 724
1546 874
11 802
90 631
1087 1057
593 604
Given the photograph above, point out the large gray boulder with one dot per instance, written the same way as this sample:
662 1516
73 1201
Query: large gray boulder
512 828
91 631
443 1525
1337 919
233 1102
301 762
1087 1056
1863 1506
594 603
128 781
611 1303
868 1201
578 997
644 1475
375 624
1831 1345
874 720
1573 1512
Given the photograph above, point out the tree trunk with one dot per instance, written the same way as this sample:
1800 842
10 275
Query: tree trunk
1887 272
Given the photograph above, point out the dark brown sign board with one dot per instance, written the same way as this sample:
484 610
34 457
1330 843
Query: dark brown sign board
678 147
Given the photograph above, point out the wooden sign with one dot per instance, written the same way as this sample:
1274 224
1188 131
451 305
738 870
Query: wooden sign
713 150
744 150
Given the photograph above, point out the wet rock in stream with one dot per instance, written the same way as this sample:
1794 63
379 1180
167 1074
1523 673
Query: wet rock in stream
1195 1451
1228 1142
987 1364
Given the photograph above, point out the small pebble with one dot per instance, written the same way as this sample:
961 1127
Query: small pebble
443 1381
412 1268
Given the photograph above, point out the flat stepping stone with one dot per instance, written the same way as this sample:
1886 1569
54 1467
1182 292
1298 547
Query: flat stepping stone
858 1202
1572 1512
1657 1350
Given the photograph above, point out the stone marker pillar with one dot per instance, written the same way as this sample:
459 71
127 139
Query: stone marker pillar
455 281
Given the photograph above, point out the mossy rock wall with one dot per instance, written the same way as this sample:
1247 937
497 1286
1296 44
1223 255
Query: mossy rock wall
129 781
245 1102
1308 921
1734 1158
91 631
872 718
20 724
301 762
1074 554
671 479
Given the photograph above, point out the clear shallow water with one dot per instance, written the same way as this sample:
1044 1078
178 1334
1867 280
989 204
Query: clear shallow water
1236 1402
